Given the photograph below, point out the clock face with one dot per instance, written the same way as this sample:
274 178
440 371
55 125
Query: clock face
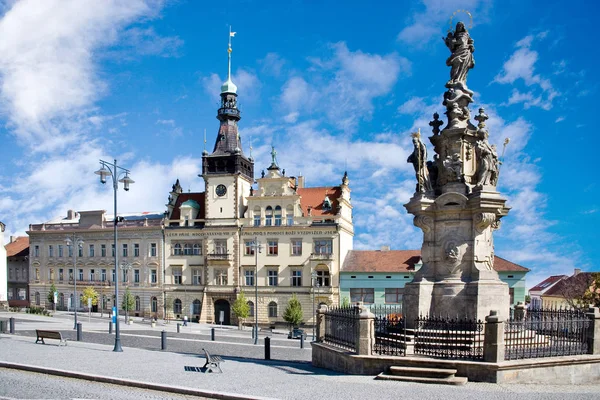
221 190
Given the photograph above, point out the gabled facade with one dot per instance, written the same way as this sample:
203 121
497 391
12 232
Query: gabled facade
536 292
564 291
17 253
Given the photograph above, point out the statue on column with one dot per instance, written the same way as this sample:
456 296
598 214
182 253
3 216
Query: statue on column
461 45
488 164
418 159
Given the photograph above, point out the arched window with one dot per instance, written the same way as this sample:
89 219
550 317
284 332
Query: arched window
187 249
272 309
251 305
257 216
278 216
289 215
177 306
154 303
138 303
196 306
269 216
197 249
177 250
323 278
37 298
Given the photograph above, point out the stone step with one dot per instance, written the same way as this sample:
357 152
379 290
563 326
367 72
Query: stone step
455 380
441 373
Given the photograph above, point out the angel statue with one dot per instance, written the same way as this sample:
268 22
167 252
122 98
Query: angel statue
461 45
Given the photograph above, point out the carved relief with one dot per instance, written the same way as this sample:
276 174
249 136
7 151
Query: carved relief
483 220
424 222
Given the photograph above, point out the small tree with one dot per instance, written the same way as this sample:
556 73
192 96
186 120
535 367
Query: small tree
240 308
51 294
345 302
293 312
89 293
128 302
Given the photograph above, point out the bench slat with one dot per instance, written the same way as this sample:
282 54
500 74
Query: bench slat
45 334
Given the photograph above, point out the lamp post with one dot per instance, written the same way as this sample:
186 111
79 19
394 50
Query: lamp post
257 249
314 282
126 267
75 244
114 171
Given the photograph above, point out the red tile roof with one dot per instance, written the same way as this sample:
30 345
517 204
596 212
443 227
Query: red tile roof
403 261
18 248
183 197
546 283
574 285
312 199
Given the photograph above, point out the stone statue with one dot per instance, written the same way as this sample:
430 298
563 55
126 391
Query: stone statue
488 164
461 45
418 158
453 168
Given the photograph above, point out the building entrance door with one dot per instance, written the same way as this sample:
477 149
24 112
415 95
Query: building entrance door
222 312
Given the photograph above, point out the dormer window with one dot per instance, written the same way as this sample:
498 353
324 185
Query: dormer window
326 204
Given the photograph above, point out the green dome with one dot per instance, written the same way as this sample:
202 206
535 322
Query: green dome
191 203
228 87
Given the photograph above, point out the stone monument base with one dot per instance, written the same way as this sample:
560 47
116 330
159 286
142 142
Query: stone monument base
455 299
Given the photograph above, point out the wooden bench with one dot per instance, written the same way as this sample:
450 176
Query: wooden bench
42 334
212 362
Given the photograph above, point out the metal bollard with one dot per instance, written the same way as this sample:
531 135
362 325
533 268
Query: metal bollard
267 348
252 332
212 334
163 340
79 331
178 327
11 325
302 341
110 327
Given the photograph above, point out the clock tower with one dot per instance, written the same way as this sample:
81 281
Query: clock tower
228 174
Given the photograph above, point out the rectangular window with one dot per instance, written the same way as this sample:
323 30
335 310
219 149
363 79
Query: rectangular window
70 250
323 246
92 273
511 293
296 277
80 275
112 250
220 246
103 250
124 275
36 251
125 250
61 274
221 276
197 276
136 249
393 295
153 276
92 250
136 276
177 278
257 220
323 278
249 248
50 251
249 277
197 249
103 275
70 274
277 219
273 248
273 278
80 251
60 250
153 251
290 220
114 277
367 296
296 247
268 220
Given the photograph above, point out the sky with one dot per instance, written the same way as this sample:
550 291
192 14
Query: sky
332 88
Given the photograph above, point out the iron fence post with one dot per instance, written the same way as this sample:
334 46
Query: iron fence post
594 330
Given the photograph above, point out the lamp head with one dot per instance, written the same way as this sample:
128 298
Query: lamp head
126 181
103 172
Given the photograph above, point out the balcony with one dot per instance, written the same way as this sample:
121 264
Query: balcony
321 256
218 257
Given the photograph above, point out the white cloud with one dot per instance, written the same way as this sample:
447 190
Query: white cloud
145 41
272 64
247 83
169 122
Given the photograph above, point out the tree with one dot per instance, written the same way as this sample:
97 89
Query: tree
581 290
51 294
240 308
345 302
89 293
293 312
128 302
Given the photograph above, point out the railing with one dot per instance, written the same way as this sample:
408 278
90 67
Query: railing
321 256
449 338
390 331
546 333
341 327
218 256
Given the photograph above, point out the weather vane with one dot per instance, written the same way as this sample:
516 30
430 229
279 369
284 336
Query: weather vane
451 29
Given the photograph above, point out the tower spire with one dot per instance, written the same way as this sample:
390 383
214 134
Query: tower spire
228 86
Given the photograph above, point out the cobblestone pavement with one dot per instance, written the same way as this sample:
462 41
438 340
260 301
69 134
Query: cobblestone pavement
245 373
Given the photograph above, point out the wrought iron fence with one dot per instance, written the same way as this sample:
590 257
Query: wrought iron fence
546 333
449 338
341 327
390 331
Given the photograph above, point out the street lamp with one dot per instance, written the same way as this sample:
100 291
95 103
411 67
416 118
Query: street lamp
75 244
126 267
114 171
257 249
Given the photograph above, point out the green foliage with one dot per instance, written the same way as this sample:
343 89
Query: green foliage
128 302
89 293
345 302
38 310
592 293
240 306
527 299
293 311
51 294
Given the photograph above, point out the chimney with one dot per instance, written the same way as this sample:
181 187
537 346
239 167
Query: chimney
12 239
300 182
577 271
385 248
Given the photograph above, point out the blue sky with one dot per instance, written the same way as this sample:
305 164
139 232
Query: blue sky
332 88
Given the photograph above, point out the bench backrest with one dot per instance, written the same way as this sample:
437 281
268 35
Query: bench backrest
206 354
49 334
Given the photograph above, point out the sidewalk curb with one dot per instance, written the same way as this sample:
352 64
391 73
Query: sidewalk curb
132 383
